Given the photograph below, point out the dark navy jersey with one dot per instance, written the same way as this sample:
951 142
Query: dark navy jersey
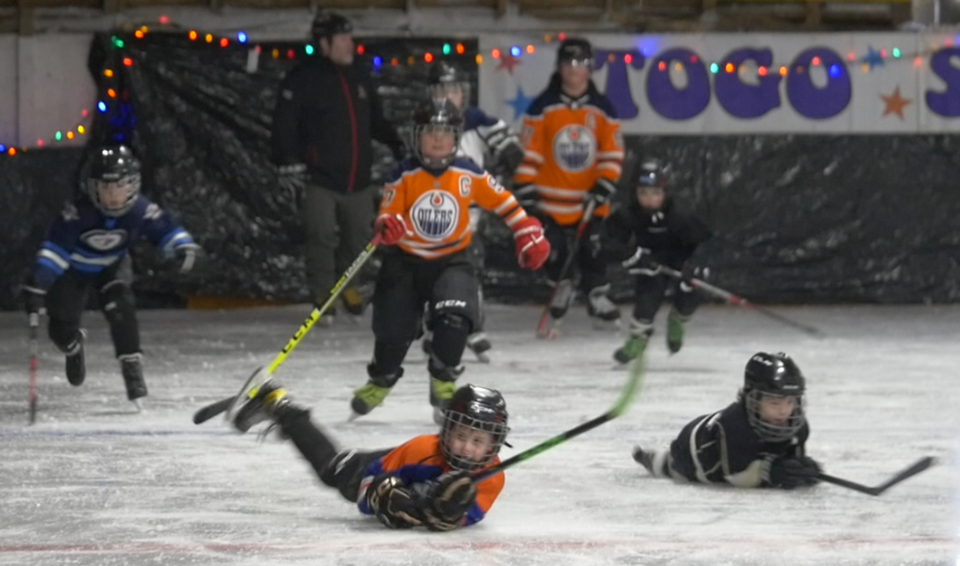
722 447
84 239
672 234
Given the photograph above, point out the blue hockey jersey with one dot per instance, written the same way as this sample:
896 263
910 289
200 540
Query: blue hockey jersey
84 239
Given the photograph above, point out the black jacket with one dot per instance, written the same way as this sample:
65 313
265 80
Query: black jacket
671 234
325 117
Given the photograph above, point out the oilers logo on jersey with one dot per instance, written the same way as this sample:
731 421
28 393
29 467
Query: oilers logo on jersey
575 148
104 240
435 215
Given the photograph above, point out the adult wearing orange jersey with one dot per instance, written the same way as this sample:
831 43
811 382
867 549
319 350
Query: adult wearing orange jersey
425 223
573 150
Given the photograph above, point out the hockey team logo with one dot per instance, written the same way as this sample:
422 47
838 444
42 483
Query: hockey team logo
435 215
104 240
575 148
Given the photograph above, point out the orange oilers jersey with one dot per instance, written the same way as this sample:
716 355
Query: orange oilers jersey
419 461
435 205
568 145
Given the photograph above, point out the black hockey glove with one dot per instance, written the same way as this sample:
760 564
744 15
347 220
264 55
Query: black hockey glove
448 501
508 157
188 256
601 192
790 472
641 263
394 505
527 196
33 298
293 179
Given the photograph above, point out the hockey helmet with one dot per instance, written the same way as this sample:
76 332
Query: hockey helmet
328 24
773 375
437 115
653 173
114 182
576 51
443 77
473 409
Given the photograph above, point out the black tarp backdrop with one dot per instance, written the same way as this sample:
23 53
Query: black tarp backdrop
798 218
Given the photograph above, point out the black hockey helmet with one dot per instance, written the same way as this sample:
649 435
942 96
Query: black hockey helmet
576 51
444 76
328 24
437 114
773 375
114 175
653 173
474 409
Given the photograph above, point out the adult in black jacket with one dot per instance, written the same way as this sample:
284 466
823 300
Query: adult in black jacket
326 114
655 230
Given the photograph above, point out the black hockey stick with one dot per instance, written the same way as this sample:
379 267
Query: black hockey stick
213 409
542 330
913 470
741 302
629 391
34 349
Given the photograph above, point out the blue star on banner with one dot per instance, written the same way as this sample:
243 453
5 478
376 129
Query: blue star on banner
519 103
873 58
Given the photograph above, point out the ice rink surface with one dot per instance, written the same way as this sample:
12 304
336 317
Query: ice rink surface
93 483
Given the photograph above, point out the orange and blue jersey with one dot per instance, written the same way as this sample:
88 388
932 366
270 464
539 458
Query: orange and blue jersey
435 205
568 145
420 461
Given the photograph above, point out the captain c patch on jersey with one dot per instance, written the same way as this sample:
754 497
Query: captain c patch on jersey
574 148
435 215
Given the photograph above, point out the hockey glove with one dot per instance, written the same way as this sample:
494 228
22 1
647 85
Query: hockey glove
527 196
33 298
641 263
532 247
391 227
393 504
508 156
789 472
448 501
187 256
293 179
601 192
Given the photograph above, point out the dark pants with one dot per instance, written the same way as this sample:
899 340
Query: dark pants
67 298
650 290
343 470
590 262
337 227
448 286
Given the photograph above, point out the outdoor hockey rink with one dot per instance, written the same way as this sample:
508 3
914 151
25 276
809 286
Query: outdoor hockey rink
93 483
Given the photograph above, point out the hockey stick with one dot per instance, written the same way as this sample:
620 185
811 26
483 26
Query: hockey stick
629 391
913 470
208 412
741 302
34 349
542 331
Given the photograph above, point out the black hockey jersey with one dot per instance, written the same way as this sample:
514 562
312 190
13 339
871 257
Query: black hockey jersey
722 447
672 234
84 239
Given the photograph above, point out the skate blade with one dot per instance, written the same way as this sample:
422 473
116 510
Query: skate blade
549 334
353 416
606 325
138 404
482 358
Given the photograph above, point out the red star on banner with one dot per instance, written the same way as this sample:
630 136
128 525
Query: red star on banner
508 62
895 103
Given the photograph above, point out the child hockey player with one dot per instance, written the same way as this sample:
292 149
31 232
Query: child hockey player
656 231
489 142
84 249
759 441
424 214
573 155
424 482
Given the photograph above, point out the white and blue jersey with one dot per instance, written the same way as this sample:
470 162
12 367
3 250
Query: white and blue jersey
483 136
88 241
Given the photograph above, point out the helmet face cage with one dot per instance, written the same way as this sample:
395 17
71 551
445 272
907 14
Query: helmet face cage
653 174
771 432
101 190
576 53
436 161
444 89
456 421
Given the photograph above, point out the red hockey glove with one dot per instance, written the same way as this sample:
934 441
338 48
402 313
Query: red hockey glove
391 227
532 247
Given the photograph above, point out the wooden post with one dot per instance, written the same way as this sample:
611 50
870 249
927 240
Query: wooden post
502 8
814 13
25 23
